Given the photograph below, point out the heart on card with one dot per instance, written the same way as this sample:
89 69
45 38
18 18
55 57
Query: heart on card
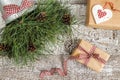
101 15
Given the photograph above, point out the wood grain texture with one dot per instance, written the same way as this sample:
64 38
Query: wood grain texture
108 40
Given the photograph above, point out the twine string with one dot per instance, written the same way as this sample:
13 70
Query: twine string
111 6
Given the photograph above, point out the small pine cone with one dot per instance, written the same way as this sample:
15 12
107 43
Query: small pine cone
31 47
66 19
41 16
1 46
6 48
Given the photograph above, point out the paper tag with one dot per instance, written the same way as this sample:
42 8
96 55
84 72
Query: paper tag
101 15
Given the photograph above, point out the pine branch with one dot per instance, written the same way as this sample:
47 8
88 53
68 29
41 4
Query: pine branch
37 29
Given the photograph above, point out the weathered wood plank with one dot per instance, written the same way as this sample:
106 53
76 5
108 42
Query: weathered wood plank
76 71
107 40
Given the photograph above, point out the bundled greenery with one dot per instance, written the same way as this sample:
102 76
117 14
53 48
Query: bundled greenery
25 38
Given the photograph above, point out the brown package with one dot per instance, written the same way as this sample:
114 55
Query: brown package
113 23
92 63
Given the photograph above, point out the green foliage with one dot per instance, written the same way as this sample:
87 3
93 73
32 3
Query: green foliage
19 33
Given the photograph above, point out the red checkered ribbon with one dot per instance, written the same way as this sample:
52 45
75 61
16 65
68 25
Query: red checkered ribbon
91 54
85 56
13 8
58 70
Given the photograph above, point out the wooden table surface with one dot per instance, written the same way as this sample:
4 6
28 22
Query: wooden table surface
108 40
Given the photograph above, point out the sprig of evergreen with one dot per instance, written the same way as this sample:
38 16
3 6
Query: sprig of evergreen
19 33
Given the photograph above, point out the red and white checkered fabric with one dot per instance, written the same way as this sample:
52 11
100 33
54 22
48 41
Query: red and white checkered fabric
13 8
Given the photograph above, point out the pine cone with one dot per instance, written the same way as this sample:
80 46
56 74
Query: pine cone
41 17
66 19
31 47
1 46
4 47
7 47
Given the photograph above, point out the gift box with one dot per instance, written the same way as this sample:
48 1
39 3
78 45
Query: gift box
90 56
103 14
13 9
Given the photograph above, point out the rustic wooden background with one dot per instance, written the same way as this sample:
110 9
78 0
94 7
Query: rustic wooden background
108 40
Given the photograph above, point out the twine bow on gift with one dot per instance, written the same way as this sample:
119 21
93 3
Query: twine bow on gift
87 55
13 8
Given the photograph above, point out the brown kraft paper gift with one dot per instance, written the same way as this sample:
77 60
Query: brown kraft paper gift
92 63
113 23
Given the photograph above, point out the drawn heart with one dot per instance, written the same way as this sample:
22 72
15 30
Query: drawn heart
101 15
